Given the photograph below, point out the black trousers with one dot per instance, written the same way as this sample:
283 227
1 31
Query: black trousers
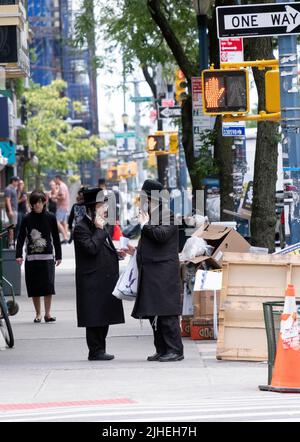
167 334
95 338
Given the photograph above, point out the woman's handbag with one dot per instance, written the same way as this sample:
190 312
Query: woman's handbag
127 284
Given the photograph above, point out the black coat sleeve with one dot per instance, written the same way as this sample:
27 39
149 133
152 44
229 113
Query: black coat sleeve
159 234
55 237
71 218
89 242
21 238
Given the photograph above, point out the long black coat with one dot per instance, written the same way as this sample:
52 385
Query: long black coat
97 271
159 272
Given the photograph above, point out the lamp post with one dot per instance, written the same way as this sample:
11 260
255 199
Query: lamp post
202 7
125 119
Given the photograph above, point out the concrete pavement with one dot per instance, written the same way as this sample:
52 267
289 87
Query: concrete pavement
49 365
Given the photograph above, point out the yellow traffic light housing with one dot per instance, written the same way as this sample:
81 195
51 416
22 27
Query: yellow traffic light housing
174 144
180 86
225 91
272 83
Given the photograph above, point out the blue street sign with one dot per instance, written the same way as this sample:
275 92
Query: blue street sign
233 131
125 135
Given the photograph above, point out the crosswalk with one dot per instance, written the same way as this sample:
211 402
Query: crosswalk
263 407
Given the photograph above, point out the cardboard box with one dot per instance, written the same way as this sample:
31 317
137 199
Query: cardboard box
202 329
223 239
185 327
203 303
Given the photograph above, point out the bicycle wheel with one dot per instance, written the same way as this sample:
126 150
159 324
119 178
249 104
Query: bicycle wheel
5 327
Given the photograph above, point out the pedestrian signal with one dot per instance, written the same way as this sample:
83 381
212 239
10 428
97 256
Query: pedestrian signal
112 174
155 143
225 91
180 86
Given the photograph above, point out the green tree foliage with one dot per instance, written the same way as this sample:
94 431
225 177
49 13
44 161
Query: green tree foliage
56 143
127 25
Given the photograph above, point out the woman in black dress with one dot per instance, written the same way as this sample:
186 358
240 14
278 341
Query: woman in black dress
39 230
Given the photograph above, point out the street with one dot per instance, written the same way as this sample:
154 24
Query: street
47 377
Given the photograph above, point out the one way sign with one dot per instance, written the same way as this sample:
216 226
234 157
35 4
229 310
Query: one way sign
258 20
169 112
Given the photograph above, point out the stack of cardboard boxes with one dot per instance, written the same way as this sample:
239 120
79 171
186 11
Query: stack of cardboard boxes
198 304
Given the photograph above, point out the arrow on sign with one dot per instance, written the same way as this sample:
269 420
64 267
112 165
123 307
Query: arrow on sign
289 19
170 112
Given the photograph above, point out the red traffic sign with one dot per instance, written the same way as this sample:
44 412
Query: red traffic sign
167 102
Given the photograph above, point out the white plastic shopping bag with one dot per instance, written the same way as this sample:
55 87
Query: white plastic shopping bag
127 284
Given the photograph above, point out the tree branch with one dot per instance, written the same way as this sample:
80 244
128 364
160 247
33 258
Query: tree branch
149 80
159 18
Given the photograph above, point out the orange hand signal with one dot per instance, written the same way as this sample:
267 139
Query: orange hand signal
213 92
152 143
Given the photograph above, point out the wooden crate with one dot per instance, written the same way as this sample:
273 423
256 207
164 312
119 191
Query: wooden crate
248 281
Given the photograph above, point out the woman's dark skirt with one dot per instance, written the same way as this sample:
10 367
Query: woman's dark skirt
39 278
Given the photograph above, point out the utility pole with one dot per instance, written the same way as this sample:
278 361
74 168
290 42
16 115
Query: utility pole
162 160
137 120
290 124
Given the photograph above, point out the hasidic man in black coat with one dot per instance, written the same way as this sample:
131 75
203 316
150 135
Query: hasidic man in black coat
158 297
97 272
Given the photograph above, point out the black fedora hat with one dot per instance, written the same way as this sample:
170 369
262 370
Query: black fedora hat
151 186
94 196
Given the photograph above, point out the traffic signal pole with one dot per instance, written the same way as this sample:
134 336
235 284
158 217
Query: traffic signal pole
290 124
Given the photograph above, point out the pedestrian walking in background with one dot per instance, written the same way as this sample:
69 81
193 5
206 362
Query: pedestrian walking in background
22 205
97 272
63 202
158 297
52 197
77 213
39 230
11 207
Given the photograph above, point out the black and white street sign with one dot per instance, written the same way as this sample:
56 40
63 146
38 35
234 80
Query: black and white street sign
169 112
258 20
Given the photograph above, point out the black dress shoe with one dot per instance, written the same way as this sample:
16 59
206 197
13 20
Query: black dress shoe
49 319
171 357
154 357
101 357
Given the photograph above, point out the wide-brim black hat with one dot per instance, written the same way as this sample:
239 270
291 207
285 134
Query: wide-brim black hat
150 186
94 196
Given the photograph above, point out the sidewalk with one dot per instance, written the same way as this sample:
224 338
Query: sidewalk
49 361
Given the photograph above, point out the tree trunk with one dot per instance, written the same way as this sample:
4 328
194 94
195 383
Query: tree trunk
224 157
223 152
263 217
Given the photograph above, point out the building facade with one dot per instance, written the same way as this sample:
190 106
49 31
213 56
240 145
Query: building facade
54 57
